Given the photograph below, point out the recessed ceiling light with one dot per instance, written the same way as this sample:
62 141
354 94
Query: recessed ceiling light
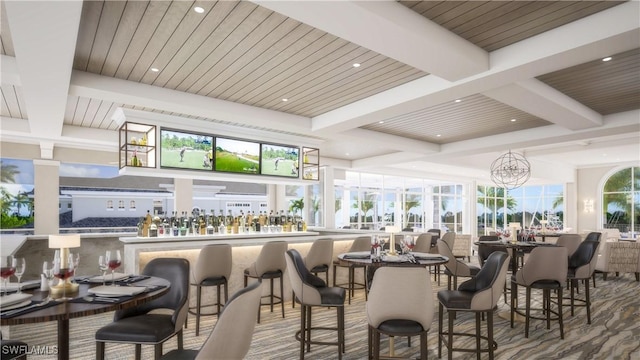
285 100
198 9
356 65
346 154
155 69
381 122
513 120
607 58
438 135
458 100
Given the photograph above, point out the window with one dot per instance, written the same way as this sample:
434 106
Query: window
621 201
132 205
120 204
109 204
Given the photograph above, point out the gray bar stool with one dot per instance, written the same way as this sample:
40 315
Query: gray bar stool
270 264
318 260
213 268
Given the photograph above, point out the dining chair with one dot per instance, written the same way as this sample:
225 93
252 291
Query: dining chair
311 291
139 325
546 270
455 267
13 349
232 335
619 257
270 264
213 268
570 242
479 295
400 304
361 243
318 259
423 243
582 265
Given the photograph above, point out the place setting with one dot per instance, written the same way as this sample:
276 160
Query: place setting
15 302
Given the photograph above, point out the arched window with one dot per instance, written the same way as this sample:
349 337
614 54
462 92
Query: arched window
621 200
109 204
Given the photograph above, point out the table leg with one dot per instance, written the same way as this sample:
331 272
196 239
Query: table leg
63 339
392 344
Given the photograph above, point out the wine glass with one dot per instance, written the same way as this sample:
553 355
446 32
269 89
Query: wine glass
63 273
20 268
48 275
7 268
409 242
103 266
114 260
76 263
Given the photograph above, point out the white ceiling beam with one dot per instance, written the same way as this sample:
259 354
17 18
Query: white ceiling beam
385 160
392 30
572 44
537 98
44 37
9 71
388 141
94 86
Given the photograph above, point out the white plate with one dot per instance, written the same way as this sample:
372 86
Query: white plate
9 300
116 277
17 305
116 291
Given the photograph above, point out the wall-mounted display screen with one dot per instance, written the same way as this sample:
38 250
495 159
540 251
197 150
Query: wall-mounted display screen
279 160
186 150
237 156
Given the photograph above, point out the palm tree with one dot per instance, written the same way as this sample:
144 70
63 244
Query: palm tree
411 201
493 199
366 205
5 201
21 199
616 191
296 205
8 173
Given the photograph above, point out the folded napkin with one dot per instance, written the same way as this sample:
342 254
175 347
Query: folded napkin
357 255
427 257
8 300
31 284
115 291
107 277
132 279
394 258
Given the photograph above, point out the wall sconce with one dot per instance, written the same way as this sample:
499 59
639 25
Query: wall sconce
588 205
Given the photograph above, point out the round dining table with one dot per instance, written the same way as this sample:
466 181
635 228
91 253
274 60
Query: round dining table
63 311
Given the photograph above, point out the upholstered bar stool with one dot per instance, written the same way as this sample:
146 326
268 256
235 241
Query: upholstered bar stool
318 259
582 265
479 295
270 265
361 243
310 291
213 268
455 267
545 269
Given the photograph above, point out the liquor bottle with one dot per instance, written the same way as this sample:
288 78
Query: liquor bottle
134 159
241 219
249 223
203 225
210 227
272 218
261 219
283 218
140 225
229 222
147 223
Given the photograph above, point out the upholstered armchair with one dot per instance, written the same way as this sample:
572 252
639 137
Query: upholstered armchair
462 246
619 257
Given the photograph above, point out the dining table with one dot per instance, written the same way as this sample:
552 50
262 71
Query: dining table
82 303
519 248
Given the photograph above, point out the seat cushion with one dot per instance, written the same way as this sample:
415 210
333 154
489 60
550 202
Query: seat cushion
540 284
320 268
12 349
149 328
400 326
213 281
267 275
455 299
180 355
332 295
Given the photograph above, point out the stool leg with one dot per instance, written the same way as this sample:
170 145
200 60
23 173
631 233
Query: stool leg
218 298
99 350
303 330
560 312
341 345
452 315
546 297
478 325
138 352
588 301
271 295
490 332
226 291
198 304
440 315
309 325
282 294
527 313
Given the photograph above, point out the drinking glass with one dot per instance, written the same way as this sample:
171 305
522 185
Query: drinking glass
7 268
409 242
20 268
76 263
63 273
103 265
48 275
114 260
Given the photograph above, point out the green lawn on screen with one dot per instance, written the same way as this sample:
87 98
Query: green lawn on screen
285 167
226 161
193 159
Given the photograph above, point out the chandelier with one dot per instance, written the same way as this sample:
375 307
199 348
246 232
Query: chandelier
510 170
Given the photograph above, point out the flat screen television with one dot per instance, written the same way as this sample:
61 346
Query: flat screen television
279 160
186 150
237 156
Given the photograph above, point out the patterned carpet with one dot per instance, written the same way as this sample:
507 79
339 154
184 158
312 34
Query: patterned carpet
613 334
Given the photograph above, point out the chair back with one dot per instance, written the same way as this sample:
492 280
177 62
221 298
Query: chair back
213 261
303 282
455 266
231 337
176 271
400 293
321 253
450 238
489 238
484 250
570 242
361 243
583 261
423 243
271 257
593 236
488 284
544 263
435 231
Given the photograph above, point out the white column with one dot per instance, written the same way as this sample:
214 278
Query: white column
328 210
46 182
183 195
280 199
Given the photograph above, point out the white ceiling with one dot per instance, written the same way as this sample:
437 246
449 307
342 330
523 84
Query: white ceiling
51 101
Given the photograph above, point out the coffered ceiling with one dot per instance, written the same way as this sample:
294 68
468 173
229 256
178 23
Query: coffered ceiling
441 89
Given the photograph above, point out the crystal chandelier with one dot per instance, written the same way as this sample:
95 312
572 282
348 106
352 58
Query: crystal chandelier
510 170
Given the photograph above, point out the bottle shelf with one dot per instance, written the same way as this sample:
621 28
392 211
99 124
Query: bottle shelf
310 163
137 145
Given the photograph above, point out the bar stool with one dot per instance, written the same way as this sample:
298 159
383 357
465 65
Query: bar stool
318 260
270 264
546 269
361 243
213 268
310 291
